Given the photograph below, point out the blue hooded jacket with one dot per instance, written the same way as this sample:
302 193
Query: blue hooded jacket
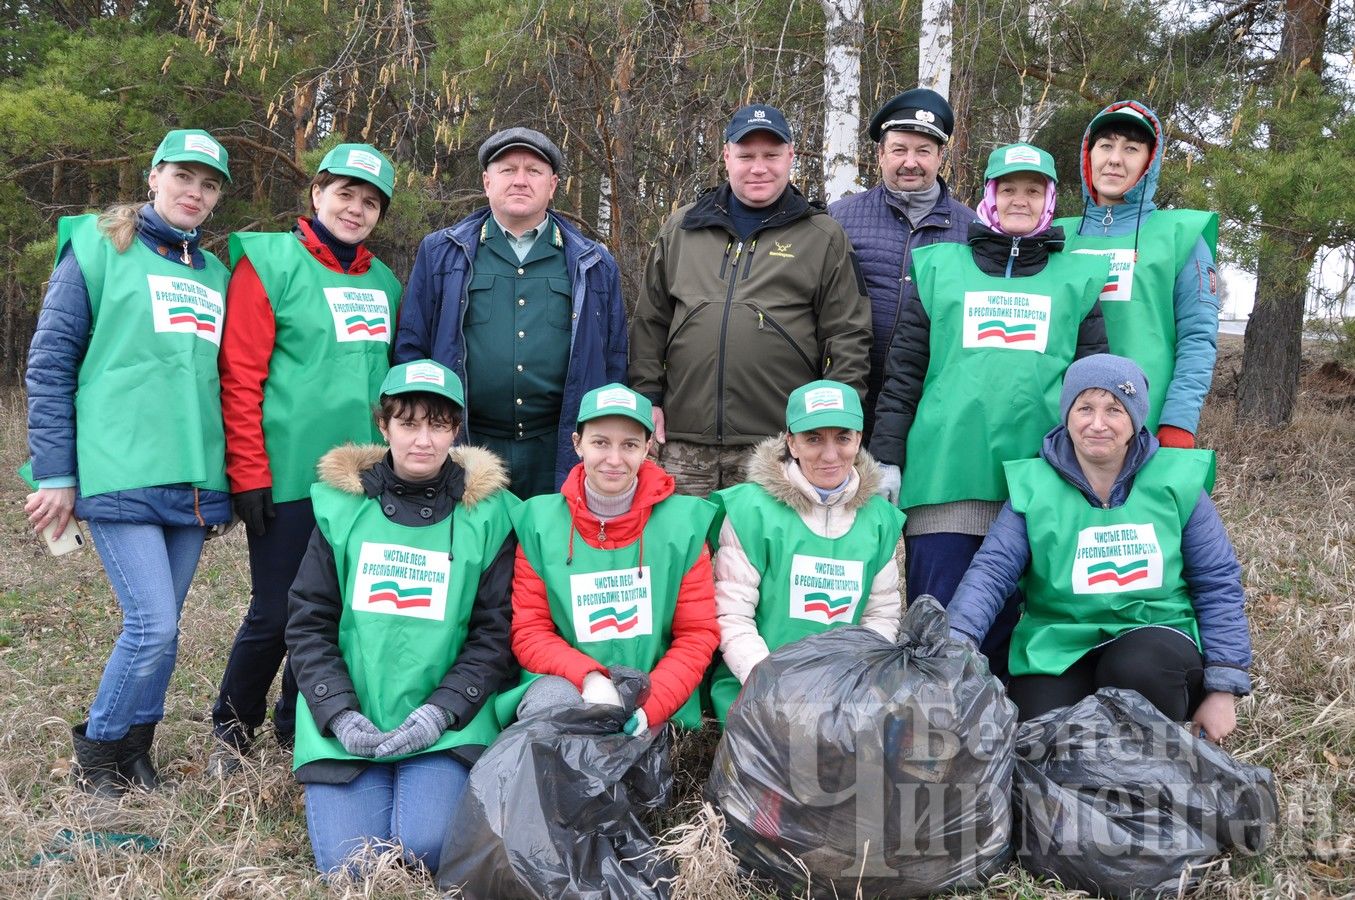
1195 298
1212 573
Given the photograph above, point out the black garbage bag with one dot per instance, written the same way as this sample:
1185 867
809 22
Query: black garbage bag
878 766
550 808
1114 798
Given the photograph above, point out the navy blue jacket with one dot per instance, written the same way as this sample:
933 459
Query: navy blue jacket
1212 573
884 241
433 313
54 358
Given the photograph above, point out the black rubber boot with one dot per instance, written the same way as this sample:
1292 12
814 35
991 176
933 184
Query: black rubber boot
134 760
97 765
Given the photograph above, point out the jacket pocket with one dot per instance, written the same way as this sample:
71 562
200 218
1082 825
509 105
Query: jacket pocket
560 311
479 299
765 322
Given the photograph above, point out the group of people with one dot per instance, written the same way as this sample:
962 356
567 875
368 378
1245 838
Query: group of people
489 483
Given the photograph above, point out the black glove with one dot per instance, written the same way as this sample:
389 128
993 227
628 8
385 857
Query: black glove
254 508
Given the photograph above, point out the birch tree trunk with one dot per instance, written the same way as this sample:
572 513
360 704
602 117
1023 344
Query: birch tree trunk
934 45
842 35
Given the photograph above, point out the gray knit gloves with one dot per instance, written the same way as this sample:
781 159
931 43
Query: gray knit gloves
418 732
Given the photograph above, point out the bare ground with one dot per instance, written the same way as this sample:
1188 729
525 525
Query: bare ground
1288 497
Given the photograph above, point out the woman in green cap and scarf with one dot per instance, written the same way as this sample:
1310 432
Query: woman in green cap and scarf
124 427
305 348
972 375
805 544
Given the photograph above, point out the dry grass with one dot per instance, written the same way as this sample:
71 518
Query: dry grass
1288 498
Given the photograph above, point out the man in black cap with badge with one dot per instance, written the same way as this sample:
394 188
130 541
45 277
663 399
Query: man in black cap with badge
749 293
524 308
909 208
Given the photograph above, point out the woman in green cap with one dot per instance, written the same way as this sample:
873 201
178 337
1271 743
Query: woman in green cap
399 624
972 374
614 571
805 544
124 427
305 348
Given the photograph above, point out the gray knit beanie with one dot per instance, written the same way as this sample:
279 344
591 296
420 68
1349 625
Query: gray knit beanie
1116 374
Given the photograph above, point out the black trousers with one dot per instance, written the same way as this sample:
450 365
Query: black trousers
1162 664
260 644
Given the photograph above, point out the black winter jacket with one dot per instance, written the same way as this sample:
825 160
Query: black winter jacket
485 664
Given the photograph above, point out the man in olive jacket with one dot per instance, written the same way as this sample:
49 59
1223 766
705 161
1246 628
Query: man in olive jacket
749 293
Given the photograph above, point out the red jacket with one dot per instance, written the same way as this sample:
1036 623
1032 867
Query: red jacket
247 343
539 646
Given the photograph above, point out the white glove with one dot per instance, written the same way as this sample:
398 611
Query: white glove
891 477
598 688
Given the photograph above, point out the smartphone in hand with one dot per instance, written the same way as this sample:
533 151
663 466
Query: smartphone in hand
72 539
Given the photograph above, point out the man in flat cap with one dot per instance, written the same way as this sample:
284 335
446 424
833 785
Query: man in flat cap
749 293
910 208
523 307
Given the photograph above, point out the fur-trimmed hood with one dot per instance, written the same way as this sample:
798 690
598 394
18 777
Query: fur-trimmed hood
767 469
343 467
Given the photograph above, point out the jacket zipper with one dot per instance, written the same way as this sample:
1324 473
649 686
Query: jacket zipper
768 320
1011 257
724 332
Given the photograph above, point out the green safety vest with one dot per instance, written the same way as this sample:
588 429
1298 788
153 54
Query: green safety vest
155 331
605 603
999 348
1139 298
331 351
406 609
1095 573
809 583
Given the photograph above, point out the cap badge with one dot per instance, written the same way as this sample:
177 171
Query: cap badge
759 114
616 397
424 373
823 398
1022 155
361 159
1128 388
923 115
197 143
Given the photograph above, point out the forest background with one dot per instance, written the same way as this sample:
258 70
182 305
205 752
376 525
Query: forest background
1257 97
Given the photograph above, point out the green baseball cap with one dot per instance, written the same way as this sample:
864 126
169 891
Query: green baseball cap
193 145
823 404
424 376
616 400
364 162
1020 158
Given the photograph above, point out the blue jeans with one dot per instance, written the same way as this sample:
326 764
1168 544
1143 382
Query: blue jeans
150 568
410 802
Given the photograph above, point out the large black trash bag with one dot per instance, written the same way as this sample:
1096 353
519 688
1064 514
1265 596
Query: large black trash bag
550 808
1114 798
879 766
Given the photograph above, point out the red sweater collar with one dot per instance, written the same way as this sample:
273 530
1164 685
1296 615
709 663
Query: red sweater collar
317 247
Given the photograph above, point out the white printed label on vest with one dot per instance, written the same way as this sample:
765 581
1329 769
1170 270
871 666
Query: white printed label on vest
183 305
395 580
825 590
1006 320
359 314
613 605
1120 282
1116 558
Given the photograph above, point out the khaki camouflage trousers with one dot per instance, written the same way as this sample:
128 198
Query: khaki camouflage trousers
700 469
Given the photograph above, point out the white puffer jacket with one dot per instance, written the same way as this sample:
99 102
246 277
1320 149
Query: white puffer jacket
736 581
